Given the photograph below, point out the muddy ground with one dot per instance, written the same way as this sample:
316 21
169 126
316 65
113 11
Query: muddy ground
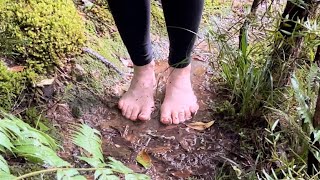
177 151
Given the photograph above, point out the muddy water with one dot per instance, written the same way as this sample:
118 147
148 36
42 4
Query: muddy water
177 152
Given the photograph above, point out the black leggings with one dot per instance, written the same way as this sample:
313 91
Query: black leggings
182 17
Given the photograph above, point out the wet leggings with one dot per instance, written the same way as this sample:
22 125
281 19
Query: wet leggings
182 17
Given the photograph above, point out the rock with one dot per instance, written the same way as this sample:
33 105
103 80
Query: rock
78 72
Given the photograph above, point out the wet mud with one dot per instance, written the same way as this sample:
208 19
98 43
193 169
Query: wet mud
177 151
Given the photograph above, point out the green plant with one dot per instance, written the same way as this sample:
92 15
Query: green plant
51 30
22 140
245 71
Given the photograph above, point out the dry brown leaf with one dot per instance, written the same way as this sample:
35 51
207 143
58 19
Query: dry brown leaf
144 159
200 126
45 82
16 68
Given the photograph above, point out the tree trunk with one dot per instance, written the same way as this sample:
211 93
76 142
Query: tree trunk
287 49
243 37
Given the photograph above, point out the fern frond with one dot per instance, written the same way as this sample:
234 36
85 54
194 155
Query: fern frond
32 144
4 170
15 128
118 166
5 142
88 139
303 108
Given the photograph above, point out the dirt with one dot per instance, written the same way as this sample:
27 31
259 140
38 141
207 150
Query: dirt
177 151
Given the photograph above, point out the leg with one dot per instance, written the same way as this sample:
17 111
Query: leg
180 101
133 20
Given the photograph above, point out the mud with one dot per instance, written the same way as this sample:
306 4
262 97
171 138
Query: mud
177 151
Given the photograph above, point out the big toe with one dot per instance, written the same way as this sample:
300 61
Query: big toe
165 116
145 114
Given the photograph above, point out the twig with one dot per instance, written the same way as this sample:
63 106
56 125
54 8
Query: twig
103 59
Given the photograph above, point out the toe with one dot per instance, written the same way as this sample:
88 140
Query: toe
165 115
145 114
165 120
175 117
124 109
121 104
194 108
128 112
134 114
181 116
188 114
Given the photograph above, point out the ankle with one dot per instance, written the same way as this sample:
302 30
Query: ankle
146 68
180 73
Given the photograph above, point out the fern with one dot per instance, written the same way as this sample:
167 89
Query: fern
303 108
21 139
32 144
89 139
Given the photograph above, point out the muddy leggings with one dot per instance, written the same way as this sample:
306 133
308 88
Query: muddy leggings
182 17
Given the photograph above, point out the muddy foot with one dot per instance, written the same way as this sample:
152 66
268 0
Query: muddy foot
138 101
180 102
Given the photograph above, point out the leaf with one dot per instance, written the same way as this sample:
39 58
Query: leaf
200 126
144 159
94 162
104 174
118 166
45 82
6 176
185 173
16 68
88 139
70 174
4 170
5 141
3 165
39 153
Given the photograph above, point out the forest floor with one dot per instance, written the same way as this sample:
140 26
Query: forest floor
177 151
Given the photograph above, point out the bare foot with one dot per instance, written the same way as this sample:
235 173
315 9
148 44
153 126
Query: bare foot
180 102
138 102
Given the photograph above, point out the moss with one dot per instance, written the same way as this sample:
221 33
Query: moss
11 86
97 76
158 25
51 29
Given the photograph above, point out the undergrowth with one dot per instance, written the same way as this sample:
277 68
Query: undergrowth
19 139
278 148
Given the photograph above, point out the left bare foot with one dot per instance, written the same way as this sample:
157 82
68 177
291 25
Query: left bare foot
180 101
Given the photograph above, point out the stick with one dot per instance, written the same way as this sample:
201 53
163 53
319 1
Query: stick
103 59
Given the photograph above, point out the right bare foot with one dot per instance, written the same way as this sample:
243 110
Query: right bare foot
138 101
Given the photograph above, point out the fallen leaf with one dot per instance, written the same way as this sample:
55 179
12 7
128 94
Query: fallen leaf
45 82
16 68
200 126
185 173
144 159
